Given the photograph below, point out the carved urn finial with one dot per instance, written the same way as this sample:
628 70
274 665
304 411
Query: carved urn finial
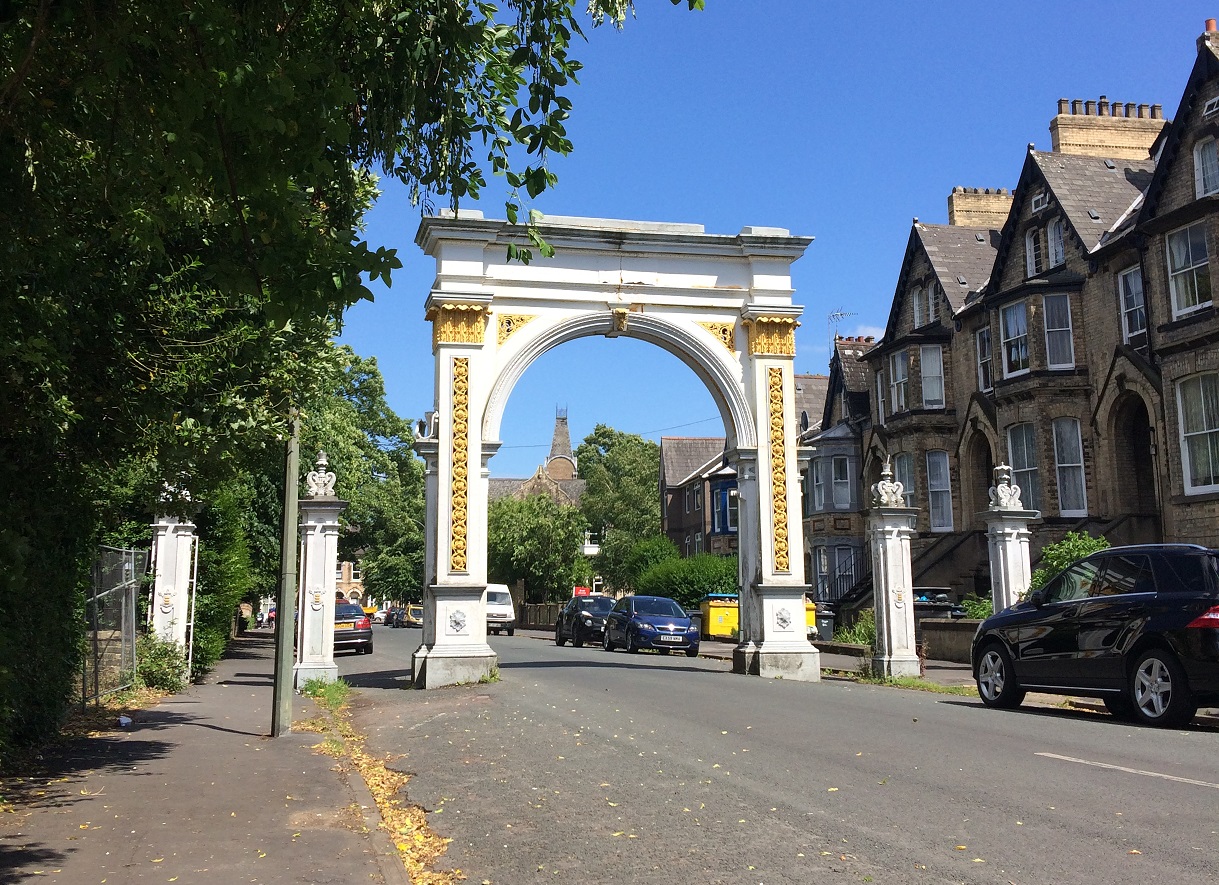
320 481
887 492
1004 494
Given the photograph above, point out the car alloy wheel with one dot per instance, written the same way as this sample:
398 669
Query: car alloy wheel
558 636
631 645
1158 690
996 682
606 643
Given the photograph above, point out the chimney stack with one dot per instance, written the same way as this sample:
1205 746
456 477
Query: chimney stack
1106 129
979 207
1210 35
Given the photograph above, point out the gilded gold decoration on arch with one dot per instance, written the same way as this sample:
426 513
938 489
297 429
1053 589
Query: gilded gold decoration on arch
510 322
778 467
458 324
459 492
773 336
725 332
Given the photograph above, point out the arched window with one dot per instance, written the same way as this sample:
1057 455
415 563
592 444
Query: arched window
1206 168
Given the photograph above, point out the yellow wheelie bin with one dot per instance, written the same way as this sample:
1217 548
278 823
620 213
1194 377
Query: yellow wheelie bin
721 619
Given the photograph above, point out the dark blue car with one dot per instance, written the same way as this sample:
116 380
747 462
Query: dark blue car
657 622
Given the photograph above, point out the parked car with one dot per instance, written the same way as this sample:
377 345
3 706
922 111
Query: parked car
381 616
413 615
397 617
657 622
582 620
352 628
1137 627
500 613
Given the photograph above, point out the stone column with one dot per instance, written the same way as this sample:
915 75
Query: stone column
319 552
174 570
890 528
774 639
455 649
1007 537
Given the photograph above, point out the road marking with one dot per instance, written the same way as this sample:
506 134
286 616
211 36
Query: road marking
1167 777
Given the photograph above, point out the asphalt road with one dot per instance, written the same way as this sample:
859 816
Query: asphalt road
580 765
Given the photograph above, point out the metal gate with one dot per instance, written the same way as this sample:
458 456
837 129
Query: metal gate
110 618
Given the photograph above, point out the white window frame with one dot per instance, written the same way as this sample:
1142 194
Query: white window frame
734 508
818 485
932 306
1007 340
821 568
1039 201
1063 335
1206 168
899 383
1024 463
1034 256
1070 464
1056 245
916 299
903 472
844 563
840 478
687 495
1197 269
985 360
880 398
1130 289
939 491
1200 436
932 355
698 543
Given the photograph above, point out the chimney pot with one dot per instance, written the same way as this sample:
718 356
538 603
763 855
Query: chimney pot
1144 111
1210 25
1064 105
1090 108
1102 107
1077 106
1129 109
1157 112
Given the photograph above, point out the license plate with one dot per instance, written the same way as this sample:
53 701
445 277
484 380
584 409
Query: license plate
344 626
670 639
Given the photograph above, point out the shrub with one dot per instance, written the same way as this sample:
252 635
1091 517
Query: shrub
1056 557
689 580
160 664
862 632
977 607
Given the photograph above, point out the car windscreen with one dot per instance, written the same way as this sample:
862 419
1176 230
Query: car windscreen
498 597
665 608
345 612
598 605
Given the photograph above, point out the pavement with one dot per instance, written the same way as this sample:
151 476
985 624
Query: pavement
194 790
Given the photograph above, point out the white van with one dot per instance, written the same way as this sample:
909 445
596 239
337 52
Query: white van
500 613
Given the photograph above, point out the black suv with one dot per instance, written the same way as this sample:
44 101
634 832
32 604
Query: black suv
582 620
1137 627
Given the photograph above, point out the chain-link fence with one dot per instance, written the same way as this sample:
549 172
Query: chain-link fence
110 621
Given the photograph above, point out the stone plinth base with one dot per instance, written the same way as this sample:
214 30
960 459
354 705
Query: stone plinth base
798 664
432 670
897 665
302 673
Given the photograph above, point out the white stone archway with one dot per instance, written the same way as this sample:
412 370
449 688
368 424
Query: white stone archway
722 304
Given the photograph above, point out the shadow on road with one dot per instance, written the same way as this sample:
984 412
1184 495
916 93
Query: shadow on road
604 665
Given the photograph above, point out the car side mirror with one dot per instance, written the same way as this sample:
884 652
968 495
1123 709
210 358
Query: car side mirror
1037 598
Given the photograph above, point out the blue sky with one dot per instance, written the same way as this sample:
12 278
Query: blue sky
841 121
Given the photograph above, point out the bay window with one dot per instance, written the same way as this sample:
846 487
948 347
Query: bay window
1198 403
899 369
1015 329
931 366
939 491
1189 278
1059 346
1022 450
1130 292
986 379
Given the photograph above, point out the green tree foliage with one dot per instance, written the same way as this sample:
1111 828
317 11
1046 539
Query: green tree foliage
540 542
689 580
369 449
1056 557
622 472
184 188
624 559
226 576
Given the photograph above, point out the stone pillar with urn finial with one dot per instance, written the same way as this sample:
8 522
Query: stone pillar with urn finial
173 570
1007 536
890 528
319 560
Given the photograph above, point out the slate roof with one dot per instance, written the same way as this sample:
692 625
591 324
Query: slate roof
1085 187
539 483
680 456
811 391
959 252
855 374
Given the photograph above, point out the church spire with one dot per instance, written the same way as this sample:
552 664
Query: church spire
561 464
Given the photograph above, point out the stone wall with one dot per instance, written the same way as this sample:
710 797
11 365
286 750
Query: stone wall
948 639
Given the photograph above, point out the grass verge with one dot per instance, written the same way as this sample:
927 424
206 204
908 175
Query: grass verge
419 846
